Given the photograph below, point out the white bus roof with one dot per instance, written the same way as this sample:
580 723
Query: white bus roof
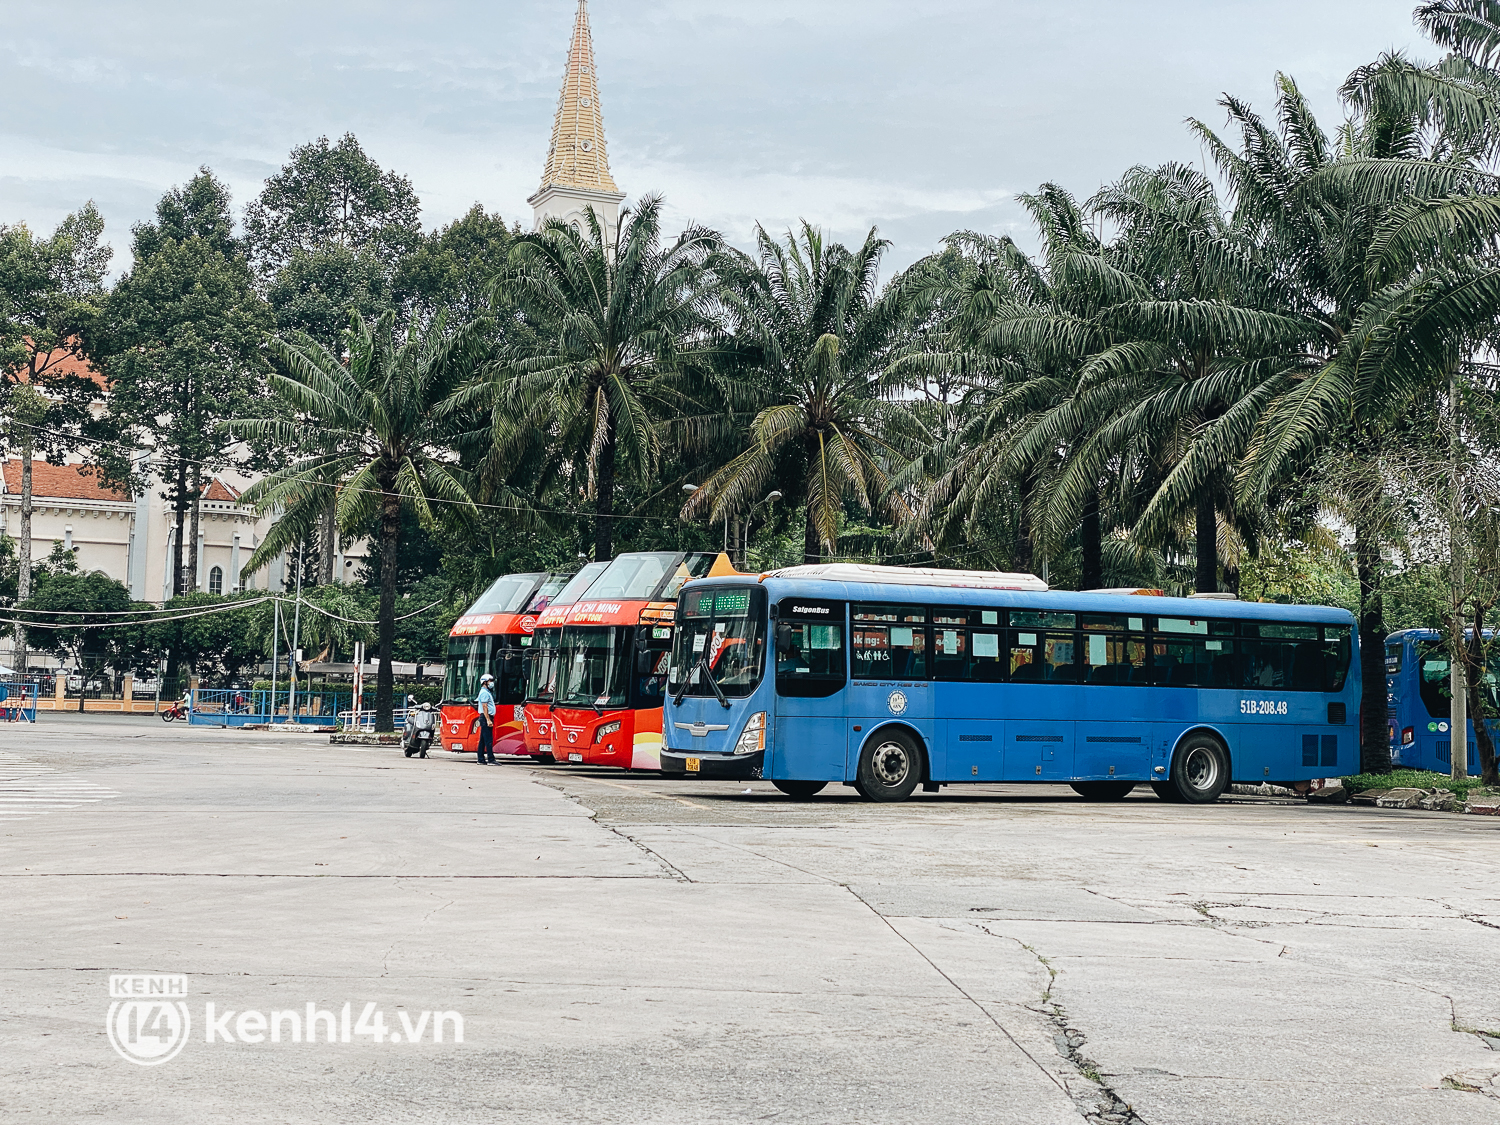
912 576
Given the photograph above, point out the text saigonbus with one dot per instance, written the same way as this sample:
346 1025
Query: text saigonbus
611 661
541 661
490 637
1418 692
884 679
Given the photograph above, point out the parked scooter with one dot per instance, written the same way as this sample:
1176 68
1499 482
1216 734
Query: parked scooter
421 729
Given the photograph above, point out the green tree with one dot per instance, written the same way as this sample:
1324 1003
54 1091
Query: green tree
181 337
614 338
1381 238
51 290
326 237
67 613
373 432
814 336
452 270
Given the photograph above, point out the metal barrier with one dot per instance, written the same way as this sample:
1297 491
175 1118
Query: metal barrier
238 707
18 701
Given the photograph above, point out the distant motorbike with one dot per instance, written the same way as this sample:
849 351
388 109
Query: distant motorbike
421 729
178 710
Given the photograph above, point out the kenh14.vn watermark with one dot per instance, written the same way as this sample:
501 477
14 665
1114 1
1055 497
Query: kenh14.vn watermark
149 1021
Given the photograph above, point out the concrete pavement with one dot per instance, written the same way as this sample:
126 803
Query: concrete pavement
628 949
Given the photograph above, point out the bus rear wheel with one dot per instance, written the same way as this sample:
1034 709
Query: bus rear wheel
1102 790
1200 770
800 790
890 767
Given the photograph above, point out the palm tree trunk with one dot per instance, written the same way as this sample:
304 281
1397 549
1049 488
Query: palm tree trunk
812 547
1091 540
385 678
604 502
1374 737
179 506
1206 542
1021 557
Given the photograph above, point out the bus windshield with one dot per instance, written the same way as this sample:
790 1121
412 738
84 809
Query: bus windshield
639 575
471 657
593 666
549 590
723 629
1435 686
541 669
508 595
578 585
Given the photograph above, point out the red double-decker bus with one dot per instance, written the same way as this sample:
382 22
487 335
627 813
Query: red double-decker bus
541 661
491 637
609 670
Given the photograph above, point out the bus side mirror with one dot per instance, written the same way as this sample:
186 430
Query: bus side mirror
783 639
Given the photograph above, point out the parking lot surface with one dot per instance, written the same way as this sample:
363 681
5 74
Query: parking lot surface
626 948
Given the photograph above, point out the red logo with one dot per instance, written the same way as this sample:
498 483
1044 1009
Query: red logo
528 624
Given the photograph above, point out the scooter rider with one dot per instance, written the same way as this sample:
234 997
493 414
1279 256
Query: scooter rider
485 703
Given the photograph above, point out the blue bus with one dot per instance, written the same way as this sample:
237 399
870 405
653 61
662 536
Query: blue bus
885 678
1421 705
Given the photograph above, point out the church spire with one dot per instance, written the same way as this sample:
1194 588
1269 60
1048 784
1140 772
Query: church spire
578 157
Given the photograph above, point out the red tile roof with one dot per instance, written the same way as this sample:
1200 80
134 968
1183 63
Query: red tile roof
218 490
62 362
65 482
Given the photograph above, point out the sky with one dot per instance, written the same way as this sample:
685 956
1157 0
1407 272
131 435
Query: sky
916 118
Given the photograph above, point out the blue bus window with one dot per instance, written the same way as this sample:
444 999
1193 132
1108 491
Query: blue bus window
1338 647
1031 619
889 642
1043 658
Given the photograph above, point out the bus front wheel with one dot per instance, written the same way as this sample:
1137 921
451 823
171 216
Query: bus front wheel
800 790
890 767
1102 790
1200 771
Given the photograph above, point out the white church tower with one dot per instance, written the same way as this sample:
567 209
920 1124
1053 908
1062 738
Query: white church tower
577 173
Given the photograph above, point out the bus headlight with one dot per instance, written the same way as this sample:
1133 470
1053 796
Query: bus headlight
605 731
753 737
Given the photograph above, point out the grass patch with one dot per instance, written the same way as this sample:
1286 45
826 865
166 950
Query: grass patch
1411 779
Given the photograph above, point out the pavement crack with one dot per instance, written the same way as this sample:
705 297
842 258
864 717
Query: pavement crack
1101 1104
957 988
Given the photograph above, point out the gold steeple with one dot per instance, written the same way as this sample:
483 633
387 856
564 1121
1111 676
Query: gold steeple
578 157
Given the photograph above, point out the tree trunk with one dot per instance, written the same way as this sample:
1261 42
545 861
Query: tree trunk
23 549
812 547
604 502
195 583
1474 669
1374 735
385 678
179 508
1091 540
1206 543
327 547
1021 556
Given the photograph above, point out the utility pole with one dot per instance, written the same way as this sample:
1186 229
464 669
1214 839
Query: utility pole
1457 672
275 636
291 698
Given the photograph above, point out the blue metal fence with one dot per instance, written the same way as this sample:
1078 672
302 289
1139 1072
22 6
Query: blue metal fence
18 701
233 707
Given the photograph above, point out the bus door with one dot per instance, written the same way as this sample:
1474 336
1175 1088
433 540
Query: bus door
968 668
1113 731
811 678
1042 654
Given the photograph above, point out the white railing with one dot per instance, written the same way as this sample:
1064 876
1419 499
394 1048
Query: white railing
364 720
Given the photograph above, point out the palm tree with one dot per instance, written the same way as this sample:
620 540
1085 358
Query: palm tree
374 427
1380 238
607 337
813 337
